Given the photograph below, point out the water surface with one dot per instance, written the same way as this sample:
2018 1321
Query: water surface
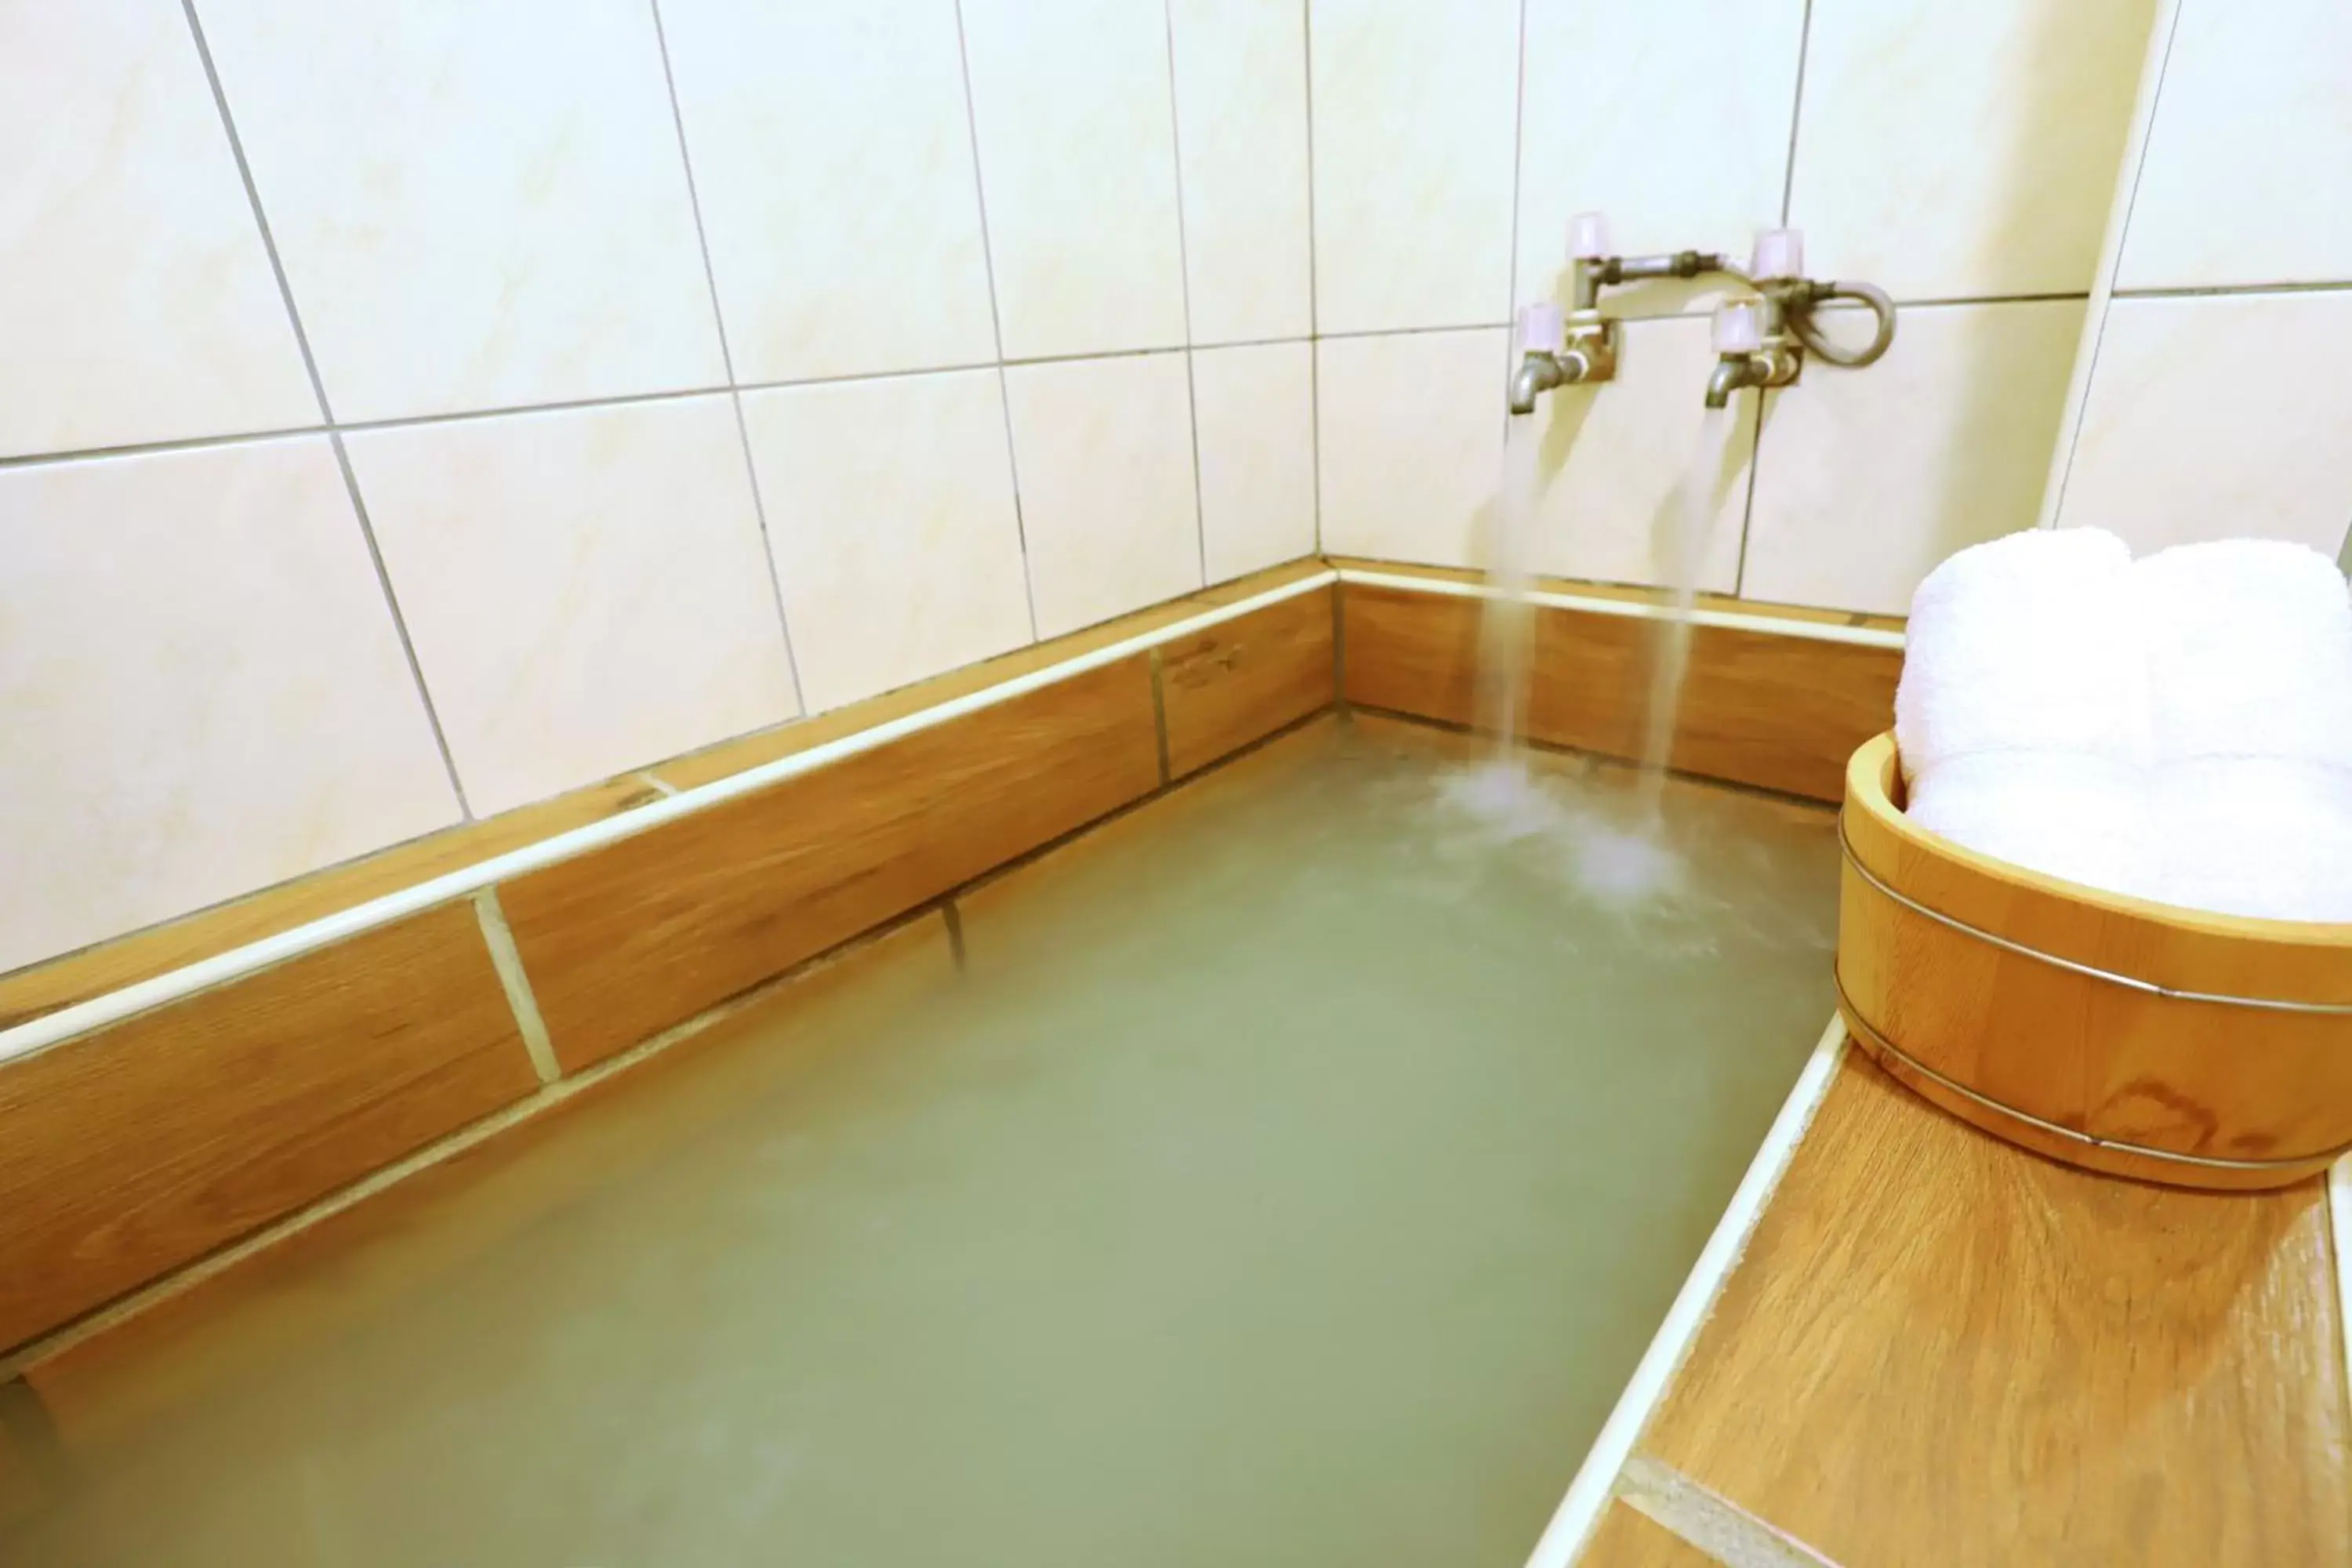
1293 1177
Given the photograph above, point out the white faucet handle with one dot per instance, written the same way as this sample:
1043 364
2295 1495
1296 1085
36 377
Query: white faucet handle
1588 236
1780 253
1542 330
1739 327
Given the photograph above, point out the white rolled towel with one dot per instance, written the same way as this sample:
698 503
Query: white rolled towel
2085 818
2258 837
2249 648
2026 642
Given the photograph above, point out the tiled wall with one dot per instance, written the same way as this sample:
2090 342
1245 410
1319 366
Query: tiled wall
2216 403
409 410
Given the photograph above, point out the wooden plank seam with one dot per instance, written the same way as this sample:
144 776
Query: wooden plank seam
1711 1521
507 958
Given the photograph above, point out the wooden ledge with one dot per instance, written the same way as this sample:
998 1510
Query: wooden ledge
1940 1348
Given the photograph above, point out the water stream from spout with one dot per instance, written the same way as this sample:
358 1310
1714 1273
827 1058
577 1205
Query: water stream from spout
1691 525
1507 626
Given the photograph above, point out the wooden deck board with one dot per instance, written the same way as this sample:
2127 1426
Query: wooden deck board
1941 1350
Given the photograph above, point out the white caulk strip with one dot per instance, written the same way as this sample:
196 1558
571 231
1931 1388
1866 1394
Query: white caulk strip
270 951
1711 1521
1639 609
1580 1511
2339 1221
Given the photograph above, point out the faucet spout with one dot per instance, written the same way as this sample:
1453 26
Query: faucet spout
1538 374
1732 372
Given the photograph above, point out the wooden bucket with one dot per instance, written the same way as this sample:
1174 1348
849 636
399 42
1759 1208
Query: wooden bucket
2117 1035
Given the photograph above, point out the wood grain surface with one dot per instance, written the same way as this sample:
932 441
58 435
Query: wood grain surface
2086 1054
625 941
1239 682
132 1150
1782 712
316 1283
1938 1349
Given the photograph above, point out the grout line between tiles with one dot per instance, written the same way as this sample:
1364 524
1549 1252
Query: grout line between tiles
1314 282
2228 290
996 322
1796 112
1184 284
507 958
1518 165
726 361
654 782
326 407
2145 102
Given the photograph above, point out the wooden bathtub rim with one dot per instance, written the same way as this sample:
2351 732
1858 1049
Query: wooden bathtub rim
1873 830
251 958
1406 581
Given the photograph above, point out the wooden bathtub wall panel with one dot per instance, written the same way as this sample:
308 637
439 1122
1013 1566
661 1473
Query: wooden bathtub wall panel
1938 1349
1779 711
1241 681
1409 652
130 1151
627 940
316 1283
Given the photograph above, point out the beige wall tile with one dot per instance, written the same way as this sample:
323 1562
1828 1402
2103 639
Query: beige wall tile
1671 118
586 589
1415 112
832 153
1866 478
2217 418
1103 451
1616 459
139 304
1411 428
1077 164
891 517
2244 180
1952 150
478 204
204 685
1257 412
1240 133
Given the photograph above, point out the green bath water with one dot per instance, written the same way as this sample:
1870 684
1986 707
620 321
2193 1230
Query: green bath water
1292 1177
